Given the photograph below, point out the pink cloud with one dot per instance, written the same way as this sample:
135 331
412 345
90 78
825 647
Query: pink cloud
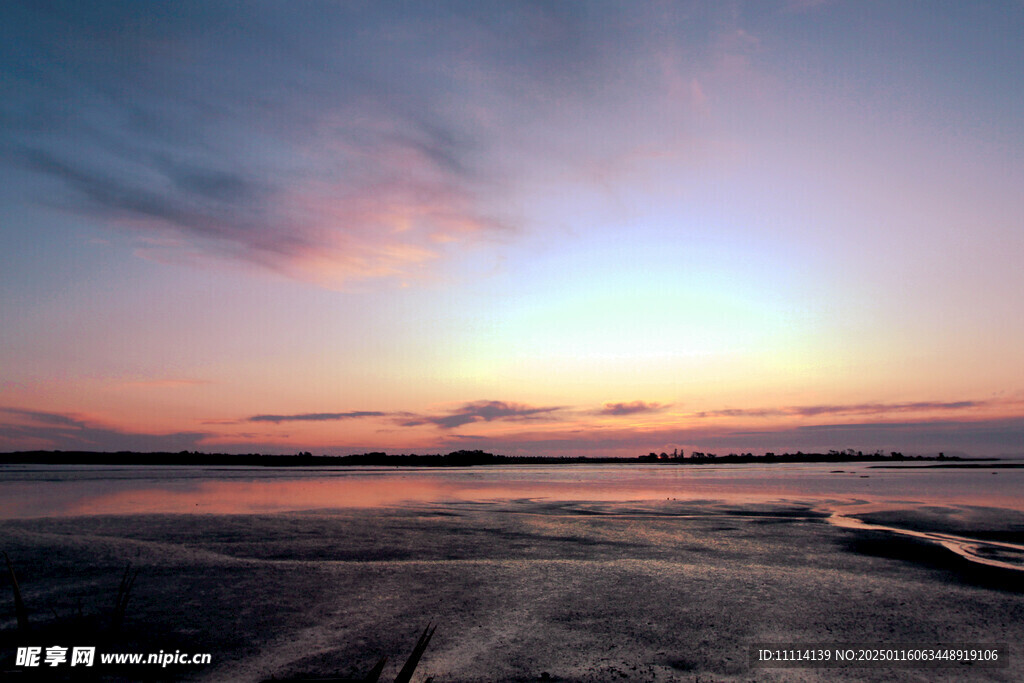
481 411
633 408
852 409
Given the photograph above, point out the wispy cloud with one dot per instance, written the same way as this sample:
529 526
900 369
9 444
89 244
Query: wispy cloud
542 434
633 408
336 142
316 417
481 411
250 135
982 437
31 429
851 409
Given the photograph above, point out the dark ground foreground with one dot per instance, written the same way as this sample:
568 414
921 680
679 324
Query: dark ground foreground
519 591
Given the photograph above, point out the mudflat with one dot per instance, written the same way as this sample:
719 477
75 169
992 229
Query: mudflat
519 590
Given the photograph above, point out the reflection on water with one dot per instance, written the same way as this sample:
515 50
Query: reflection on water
41 491
998 554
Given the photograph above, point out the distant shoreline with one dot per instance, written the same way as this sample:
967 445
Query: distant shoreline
454 459
990 463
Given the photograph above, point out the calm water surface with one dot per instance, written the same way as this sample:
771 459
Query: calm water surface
46 491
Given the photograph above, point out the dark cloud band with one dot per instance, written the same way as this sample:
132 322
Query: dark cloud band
316 417
481 411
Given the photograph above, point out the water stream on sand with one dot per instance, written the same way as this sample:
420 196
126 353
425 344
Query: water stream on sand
976 512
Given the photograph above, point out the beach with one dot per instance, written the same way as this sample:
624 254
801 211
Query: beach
525 589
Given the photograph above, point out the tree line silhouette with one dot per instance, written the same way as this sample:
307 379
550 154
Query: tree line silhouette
460 458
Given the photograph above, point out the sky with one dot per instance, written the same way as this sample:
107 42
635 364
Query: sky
524 227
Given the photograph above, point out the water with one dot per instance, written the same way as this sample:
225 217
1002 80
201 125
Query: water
583 571
28 491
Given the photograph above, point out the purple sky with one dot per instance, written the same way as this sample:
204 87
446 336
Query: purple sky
555 228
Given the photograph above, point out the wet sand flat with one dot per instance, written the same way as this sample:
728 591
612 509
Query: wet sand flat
519 590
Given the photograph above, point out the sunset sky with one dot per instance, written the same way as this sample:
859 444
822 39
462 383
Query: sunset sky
527 227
